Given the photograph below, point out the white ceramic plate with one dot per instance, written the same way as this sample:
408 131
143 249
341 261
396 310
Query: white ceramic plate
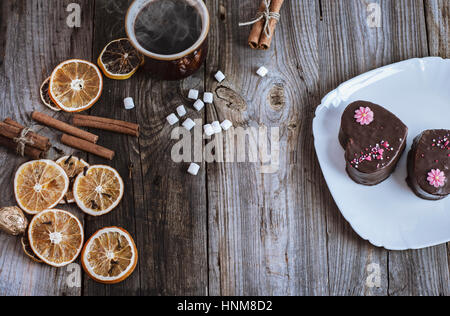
389 215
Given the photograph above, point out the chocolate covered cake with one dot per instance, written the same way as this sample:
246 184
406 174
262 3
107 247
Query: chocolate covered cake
429 165
374 140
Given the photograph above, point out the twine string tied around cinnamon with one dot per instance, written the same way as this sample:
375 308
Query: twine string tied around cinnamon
23 140
267 16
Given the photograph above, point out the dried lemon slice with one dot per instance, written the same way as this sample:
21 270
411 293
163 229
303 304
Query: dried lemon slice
120 60
110 256
46 98
40 185
73 166
98 190
75 85
56 237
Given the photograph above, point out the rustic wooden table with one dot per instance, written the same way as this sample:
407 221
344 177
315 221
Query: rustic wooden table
231 230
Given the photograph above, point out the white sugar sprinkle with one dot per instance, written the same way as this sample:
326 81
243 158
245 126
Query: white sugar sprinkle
209 131
262 71
193 94
189 124
216 127
226 125
194 169
129 103
181 110
199 105
172 119
208 97
220 76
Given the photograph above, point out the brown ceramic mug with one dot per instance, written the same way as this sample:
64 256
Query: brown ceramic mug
171 66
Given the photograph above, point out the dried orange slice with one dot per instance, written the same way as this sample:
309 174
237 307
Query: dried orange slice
110 256
56 237
98 190
46 98
40 185
73 166
75 85
119 60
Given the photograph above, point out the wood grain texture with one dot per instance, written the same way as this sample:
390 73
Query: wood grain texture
267 233
29 49
232 230
419 272
351 47
438 27
163 207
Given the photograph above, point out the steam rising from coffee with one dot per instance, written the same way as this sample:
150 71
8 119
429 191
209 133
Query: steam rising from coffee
168 27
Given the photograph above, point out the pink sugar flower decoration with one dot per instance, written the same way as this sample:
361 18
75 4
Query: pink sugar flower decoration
364 116
436 178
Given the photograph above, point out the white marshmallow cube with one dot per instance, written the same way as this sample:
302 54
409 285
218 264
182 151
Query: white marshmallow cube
189 124
199 105
216 127
208 97
172 119
181 110
194 169
220 76
129 103
193 94
226 125
209 131
262 72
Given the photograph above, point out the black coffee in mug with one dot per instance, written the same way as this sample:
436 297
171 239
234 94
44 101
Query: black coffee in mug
168 27
171 34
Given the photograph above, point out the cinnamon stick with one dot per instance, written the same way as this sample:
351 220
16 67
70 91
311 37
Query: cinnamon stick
88 147
106 124
29 151
265 41
63 127
12 129
257 29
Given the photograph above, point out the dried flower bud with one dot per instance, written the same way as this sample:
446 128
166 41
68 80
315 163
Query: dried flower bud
13 221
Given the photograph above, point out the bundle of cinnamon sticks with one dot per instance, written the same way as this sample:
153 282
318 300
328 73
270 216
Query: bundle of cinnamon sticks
34 146
85 141
260 37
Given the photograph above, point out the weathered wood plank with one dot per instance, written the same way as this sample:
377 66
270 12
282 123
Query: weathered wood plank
406 269
163 207
34 38
267 232
438 27
349 47
419 273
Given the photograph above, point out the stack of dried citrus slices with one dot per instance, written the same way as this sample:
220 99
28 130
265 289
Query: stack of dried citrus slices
76 85
56 237
119 60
